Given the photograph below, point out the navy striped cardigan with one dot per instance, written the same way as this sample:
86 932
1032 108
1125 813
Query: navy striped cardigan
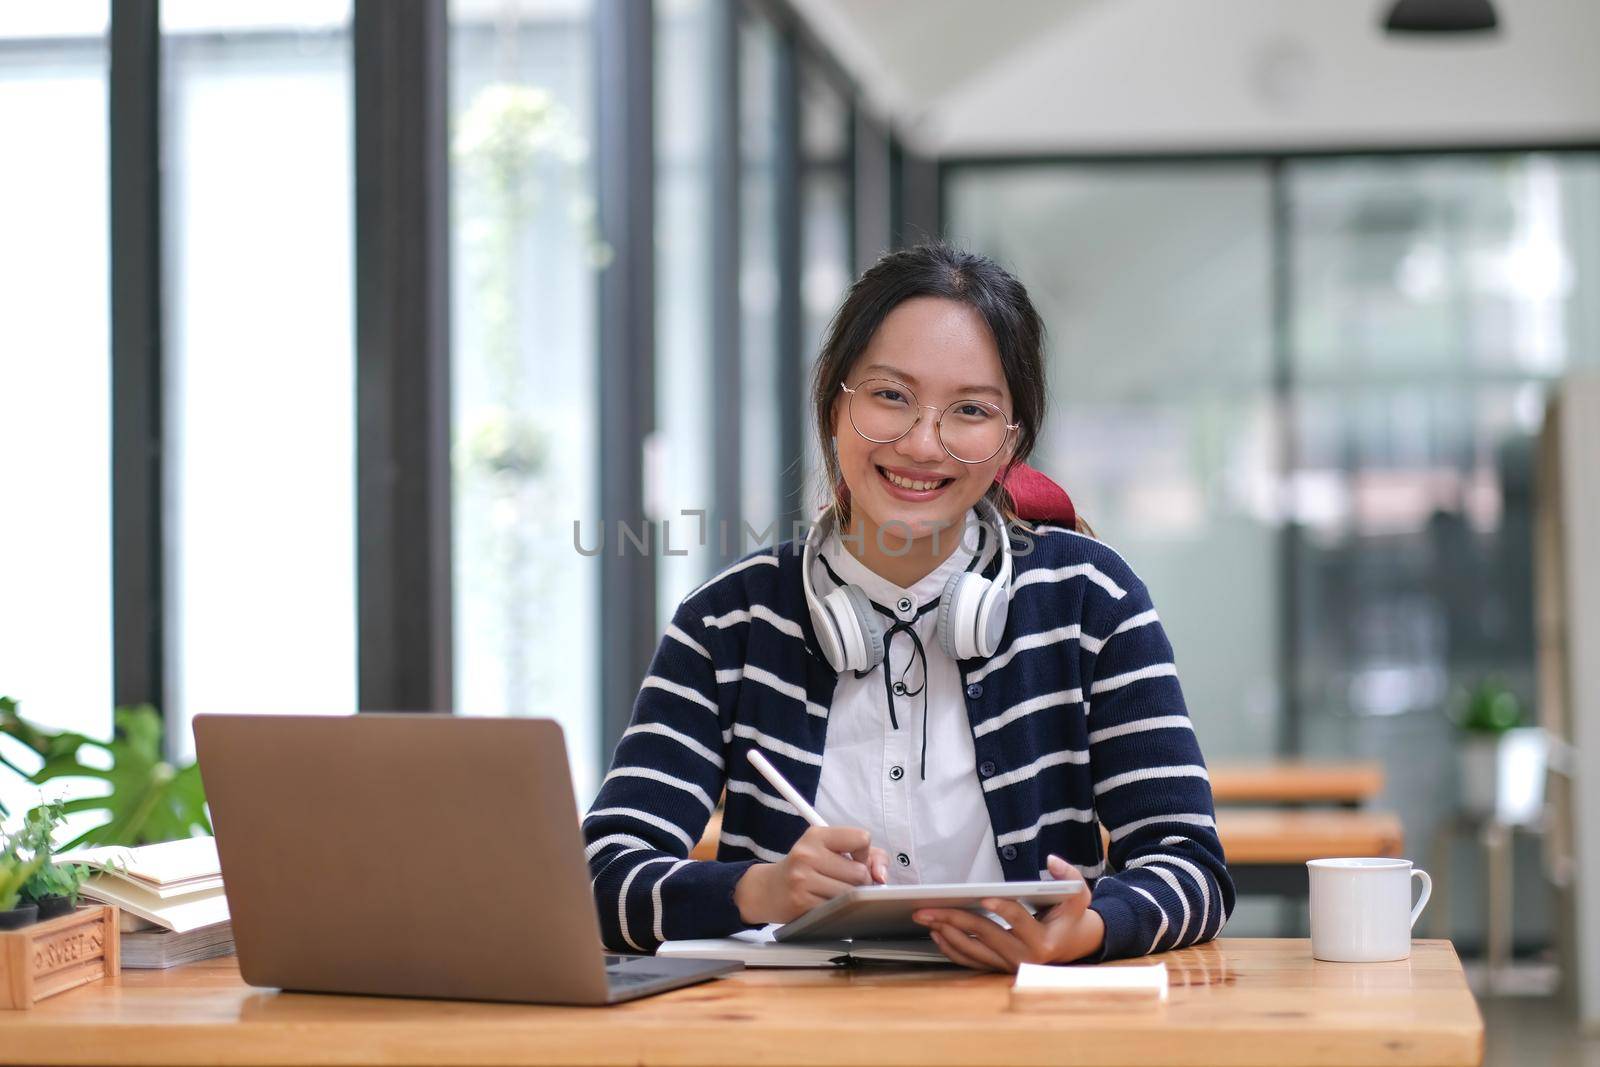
1077 722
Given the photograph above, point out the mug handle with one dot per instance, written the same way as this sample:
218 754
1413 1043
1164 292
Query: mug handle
1427 891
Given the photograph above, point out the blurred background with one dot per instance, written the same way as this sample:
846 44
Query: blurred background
350 352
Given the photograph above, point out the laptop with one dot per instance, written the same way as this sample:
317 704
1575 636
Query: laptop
412 855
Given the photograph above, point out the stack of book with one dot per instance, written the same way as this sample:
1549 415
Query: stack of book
173 907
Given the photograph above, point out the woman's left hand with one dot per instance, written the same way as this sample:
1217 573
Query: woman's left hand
1069 931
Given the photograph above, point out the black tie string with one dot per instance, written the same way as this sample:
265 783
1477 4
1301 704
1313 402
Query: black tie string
919 655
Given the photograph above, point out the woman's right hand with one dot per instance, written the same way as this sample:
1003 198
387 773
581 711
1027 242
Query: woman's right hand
818 868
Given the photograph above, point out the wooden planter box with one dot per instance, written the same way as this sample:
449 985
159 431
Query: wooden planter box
58 954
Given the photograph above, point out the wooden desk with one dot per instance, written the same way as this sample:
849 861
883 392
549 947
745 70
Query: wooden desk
1240 1001
1297 782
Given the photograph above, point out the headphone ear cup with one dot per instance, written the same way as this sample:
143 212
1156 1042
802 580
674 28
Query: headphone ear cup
867 624
946 599
990 625
827 631
842 618
958 609
860 633
973 609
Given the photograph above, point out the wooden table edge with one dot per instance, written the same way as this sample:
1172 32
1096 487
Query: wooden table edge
288 1033
391 1043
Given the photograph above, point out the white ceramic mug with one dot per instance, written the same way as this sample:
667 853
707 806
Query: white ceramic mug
1361 909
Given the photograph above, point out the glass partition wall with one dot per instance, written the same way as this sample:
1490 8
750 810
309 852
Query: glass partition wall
1155 288
1301 396
1435 301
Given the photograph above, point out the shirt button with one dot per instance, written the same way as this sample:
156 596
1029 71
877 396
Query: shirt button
986 768
974 691
904 605
905 860
899 689
897 773
1009 852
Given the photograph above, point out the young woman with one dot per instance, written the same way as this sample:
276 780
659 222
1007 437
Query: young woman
963 697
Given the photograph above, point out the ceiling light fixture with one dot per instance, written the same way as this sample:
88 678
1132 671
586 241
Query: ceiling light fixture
1441 16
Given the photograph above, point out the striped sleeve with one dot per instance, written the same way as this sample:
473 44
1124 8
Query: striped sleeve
665 778
1167 884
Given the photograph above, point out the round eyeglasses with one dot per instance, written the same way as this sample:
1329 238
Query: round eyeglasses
883 411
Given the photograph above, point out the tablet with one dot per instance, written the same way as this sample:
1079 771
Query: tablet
885 910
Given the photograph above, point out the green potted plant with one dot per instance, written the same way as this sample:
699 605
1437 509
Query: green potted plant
15 870
53 886
1502 758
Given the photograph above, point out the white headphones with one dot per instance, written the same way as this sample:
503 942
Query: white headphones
972 609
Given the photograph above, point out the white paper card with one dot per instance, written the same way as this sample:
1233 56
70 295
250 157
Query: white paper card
1132 981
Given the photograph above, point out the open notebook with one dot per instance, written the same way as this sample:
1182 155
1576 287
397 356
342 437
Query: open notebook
176 884
757 948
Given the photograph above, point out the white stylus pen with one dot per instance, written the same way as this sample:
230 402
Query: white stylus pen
785 790
792 795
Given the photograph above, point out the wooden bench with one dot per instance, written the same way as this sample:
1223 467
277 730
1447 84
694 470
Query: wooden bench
1297 783
1267 849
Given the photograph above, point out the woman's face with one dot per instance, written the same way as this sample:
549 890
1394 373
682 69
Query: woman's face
942 351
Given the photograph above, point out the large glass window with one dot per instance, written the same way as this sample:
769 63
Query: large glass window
760 489
55 415
1154 284
524 255
260 371
679 454
825 269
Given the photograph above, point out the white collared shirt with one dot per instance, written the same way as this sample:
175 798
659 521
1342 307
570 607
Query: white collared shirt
934 830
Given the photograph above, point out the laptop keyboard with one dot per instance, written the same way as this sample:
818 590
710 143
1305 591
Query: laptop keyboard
619 975
623 978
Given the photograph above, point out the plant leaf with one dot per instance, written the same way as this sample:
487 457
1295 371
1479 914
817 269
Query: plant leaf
150 799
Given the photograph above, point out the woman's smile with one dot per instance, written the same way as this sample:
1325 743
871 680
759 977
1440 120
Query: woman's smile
913 486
